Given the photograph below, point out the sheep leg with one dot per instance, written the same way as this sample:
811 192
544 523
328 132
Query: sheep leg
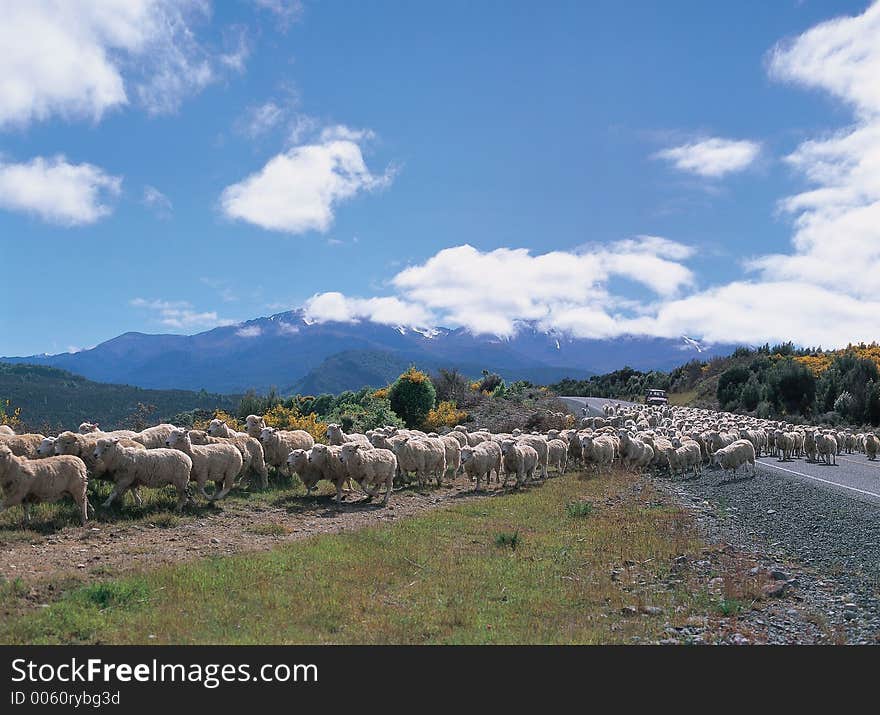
27 512
389 483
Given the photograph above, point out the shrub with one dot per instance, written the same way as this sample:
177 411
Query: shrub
289 418
446 414
10 415
577 509
412 397
507 539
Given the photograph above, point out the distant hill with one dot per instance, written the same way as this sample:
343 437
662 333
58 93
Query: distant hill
288 351
56 399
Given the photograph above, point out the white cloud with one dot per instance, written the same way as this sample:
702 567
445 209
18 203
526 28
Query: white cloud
249 331
57 191
79 59
298 190
261 119
712 158
157 201
336 307
494 291
285 11
180 314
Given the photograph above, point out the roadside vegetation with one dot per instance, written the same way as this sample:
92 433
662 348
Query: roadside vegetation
573 560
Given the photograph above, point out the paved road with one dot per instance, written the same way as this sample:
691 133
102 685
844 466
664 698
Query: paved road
594 405
853 476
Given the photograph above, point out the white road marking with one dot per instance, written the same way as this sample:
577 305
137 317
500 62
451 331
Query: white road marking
819 479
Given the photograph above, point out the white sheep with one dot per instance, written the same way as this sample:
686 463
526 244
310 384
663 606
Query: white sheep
421 456
218 428
278 444
254 425
482 460
453 454
519 459
597 451
557 455
6 430
326 459
539 444
23 445
872 445
154 468
154 437
27 482
735 455
337 437
46 448
827 448
219 463
371 468
252 456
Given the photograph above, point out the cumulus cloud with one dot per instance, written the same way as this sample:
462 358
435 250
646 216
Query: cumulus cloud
837 220
79 59
495 291
336 307
712 158
299 189
180 314
56 191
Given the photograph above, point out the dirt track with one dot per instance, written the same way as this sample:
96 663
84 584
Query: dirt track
233 526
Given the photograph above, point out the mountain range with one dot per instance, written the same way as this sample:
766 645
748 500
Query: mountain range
294 354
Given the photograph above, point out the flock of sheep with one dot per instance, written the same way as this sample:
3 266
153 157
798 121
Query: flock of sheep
35 468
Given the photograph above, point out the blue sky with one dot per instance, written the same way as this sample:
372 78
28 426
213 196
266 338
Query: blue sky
710 169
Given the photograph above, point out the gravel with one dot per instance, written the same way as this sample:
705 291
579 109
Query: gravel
820 548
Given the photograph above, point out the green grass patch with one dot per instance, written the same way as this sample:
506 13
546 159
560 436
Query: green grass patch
433 578
508 540
579 509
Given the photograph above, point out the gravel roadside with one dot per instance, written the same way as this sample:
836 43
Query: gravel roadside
824 545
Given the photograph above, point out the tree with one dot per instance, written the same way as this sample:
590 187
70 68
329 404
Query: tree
730 386
412 397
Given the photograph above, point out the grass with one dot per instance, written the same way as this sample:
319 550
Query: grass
579 509
434 578
682 398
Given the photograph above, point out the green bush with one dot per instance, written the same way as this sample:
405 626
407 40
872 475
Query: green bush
412 397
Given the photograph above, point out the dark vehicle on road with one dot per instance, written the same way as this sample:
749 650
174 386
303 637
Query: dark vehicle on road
656 397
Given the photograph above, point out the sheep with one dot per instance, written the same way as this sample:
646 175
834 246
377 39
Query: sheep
308 473
93 428
827 448
872 444
634 454
254 426
810 446
539 444
27 482
83 446
785 445
519 459
154 437
336 437
369 467
453 454
421 456
252 456
557 455
735 455
23 445
460 437
686 456
278 444
220 463
46 448
481 460
325 459
6 430
154 468
218 428
598 451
